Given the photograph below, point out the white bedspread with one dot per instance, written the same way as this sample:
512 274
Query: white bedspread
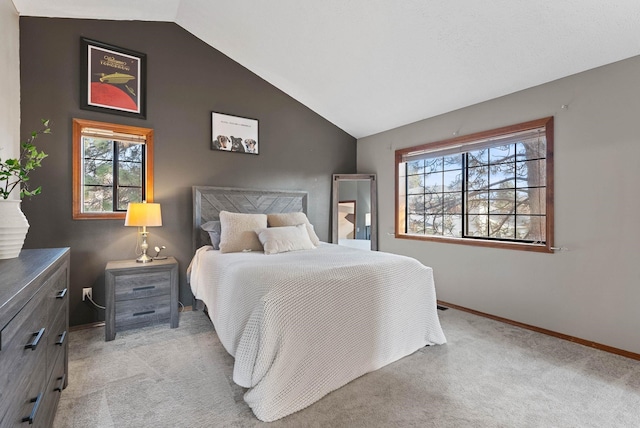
304 323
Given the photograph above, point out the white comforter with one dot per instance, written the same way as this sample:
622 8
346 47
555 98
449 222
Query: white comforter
304 323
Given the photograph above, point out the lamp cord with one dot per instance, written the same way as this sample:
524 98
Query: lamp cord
95 304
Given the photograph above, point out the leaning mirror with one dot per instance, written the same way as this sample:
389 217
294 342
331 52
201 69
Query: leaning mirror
354 214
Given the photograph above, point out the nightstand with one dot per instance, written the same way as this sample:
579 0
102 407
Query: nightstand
140 294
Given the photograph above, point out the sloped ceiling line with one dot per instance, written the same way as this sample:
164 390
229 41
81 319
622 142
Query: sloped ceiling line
372 65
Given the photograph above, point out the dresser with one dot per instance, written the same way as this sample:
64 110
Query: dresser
140 294
34 321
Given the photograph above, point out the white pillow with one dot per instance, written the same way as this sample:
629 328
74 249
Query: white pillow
239 231
294 219
287 238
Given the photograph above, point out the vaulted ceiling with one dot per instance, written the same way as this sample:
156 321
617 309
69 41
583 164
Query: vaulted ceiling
372 65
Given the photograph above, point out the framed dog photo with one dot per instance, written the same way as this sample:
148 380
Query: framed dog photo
112 79
234 133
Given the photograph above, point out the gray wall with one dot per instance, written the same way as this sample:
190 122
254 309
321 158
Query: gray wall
591 291
9 83
187 79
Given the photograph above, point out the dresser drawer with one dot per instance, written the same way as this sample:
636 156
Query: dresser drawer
26 406
57 293
56 342
136 286
138 312
33 313
23 361
54 388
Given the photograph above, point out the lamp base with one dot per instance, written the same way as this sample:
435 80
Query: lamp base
144 258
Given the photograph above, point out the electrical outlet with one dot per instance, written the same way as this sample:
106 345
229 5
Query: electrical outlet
87 292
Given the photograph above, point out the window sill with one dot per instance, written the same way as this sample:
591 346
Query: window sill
521 246
99 216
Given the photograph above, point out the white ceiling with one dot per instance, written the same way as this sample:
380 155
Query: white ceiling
372 65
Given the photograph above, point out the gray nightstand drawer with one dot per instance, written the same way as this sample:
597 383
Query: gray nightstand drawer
136 286
140 312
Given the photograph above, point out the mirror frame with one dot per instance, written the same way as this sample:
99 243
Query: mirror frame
337 178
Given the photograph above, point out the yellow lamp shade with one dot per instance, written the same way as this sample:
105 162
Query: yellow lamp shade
143 214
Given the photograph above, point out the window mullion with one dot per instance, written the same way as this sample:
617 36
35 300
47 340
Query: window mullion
465 178
144 172
116 167
515 196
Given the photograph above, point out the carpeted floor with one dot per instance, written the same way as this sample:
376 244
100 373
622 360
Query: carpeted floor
489 374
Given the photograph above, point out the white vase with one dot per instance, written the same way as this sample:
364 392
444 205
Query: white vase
13 228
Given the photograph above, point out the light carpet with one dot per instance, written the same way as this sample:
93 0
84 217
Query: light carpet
489 374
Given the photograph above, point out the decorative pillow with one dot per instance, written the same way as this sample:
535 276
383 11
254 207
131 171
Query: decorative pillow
294 219
239 231
213 228
287 238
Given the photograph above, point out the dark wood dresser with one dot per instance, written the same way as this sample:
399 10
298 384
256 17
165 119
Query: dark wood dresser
34 321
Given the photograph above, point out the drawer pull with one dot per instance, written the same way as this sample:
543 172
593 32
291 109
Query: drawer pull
143 313
61 379
148 287
61 294
34 410
35 342
62 337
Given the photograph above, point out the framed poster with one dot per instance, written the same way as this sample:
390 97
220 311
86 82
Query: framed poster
112 79
234 133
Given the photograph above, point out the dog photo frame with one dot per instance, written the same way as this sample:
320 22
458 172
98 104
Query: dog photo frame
234 133
112 79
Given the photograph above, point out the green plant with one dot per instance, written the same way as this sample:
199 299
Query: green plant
14 172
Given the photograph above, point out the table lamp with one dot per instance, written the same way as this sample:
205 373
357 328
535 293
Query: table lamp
142 214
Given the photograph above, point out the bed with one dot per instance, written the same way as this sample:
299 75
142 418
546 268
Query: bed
301 324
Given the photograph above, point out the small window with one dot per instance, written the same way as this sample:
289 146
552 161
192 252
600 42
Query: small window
112 166
493 188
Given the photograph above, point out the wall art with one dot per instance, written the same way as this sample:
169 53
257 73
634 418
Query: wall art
234 133
112 79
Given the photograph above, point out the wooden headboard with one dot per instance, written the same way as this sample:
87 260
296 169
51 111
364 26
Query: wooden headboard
209 201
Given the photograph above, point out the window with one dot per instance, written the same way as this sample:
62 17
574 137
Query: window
493 188
112 166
